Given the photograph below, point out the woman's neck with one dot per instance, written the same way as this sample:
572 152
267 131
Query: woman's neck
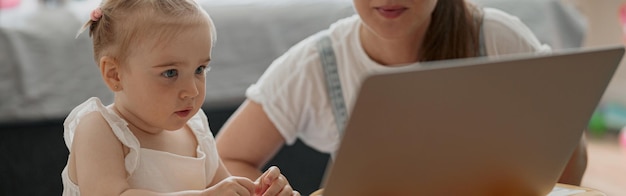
391 52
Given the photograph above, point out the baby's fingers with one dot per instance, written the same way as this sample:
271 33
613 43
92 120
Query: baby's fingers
287 191
266 179
280 186
241 185
246 183
269 176
232 186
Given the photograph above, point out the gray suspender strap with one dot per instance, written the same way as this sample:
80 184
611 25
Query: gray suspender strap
333 84
481 34
482 48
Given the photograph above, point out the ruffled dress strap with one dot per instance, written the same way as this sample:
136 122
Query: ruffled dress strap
199 124
118 125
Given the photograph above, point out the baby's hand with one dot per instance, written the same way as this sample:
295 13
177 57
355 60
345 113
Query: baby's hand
272 182
232 185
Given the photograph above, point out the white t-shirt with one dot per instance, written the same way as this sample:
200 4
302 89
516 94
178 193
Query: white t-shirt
292 90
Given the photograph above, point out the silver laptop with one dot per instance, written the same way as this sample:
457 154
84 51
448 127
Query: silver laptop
470 127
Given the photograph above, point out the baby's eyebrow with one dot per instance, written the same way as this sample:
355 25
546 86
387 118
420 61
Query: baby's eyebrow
167 64
175 63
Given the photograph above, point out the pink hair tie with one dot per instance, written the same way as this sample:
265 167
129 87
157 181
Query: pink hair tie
96 14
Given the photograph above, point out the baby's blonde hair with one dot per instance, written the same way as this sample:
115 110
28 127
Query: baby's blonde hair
125 23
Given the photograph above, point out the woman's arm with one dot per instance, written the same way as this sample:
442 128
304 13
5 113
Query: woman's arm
248 140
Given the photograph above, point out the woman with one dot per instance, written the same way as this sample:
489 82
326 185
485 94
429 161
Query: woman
291 100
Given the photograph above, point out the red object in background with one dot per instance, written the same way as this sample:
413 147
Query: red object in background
8 3
622 138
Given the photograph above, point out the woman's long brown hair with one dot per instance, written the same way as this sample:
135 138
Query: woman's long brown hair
453 31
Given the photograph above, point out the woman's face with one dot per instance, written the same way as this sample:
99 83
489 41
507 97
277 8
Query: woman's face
389 19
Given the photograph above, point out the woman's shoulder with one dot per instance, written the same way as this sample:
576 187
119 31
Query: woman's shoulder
306 51
508 34
300 57
495 13
337 31
496 18
302 61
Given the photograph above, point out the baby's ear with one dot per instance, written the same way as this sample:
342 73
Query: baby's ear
110 70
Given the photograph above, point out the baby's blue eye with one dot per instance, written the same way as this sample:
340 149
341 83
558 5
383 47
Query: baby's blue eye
170 73
202 69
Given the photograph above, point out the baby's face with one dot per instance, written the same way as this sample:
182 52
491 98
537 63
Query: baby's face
164 80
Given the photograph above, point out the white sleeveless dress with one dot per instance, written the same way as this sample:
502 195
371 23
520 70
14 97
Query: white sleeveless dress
150 169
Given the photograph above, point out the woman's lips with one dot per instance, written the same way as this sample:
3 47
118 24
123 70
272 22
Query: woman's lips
391 12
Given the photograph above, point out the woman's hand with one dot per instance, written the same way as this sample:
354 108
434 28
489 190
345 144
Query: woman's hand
272 182
233 185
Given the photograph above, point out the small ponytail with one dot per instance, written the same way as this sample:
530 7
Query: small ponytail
95 16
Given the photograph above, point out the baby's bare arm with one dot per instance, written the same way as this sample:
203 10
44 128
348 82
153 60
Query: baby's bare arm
98 158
